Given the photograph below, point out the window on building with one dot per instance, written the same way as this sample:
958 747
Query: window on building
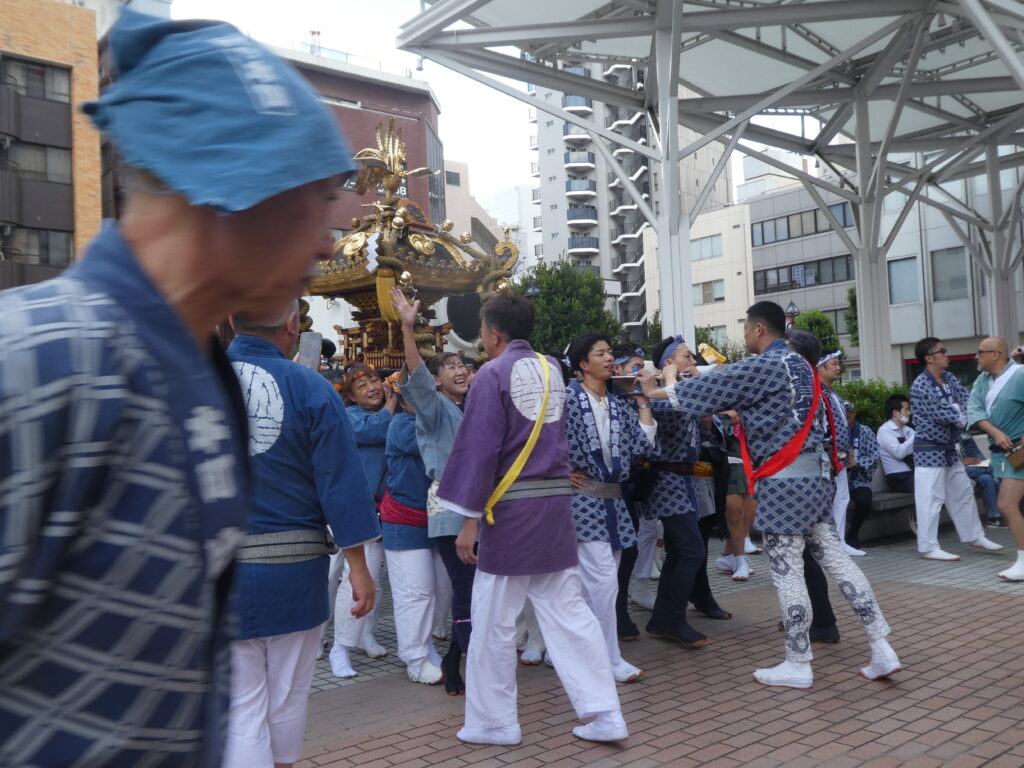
38 81
835 269
553 206
708 293
554 235
706 248
756 234
551 150
538 250
768 231
455 179
838 318
719 338
549 123
759 282
41 246
949 274
435 182
903 281
795 226
35 161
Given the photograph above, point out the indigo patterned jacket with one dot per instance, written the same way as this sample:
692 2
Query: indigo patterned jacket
865 453
603 519
678 441
939 414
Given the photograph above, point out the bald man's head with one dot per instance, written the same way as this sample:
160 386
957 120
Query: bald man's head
993 354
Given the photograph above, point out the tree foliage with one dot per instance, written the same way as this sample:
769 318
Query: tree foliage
869 397
652 332
817 322
850 316
568 301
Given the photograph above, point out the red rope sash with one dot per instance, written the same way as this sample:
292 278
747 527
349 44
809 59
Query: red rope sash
787 455
393 511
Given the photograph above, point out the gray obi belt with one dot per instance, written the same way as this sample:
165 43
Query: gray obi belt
596 489
537 489
816 464
286 547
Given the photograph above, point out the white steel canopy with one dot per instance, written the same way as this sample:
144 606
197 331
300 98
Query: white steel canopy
937 82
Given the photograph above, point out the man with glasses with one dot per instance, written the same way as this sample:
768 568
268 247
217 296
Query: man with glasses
996 407
940 412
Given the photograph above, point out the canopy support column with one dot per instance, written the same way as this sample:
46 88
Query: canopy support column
1003 286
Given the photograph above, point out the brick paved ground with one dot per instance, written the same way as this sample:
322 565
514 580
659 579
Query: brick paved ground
958 701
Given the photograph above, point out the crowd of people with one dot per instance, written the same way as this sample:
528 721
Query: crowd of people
179 519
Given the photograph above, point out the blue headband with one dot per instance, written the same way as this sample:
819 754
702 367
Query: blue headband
669 351
635 353
214 115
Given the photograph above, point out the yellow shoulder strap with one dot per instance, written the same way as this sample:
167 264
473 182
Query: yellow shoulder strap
517 466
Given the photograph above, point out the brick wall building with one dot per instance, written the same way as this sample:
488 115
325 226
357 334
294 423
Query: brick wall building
50 198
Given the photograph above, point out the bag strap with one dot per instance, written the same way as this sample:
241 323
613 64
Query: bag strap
789 451
517 466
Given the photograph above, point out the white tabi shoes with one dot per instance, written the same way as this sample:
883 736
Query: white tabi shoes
624 672
607 726
741 571
750 548
940 554
884 661
531 658
341 664
641 594
788 674
508 736
1016 571
428 674
371 647
986 544
726 563
853 551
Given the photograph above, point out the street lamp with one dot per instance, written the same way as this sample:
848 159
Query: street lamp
532 290
792 311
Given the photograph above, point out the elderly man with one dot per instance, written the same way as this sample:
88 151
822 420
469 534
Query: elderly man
123 448
308 475
940 412
996 406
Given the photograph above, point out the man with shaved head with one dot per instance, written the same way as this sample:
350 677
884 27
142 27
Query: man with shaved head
996 407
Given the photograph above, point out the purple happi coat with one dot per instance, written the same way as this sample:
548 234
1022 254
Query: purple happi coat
529 535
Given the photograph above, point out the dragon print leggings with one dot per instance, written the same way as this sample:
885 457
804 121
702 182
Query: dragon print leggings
785 553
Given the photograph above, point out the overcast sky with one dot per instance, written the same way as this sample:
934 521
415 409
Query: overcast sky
478 125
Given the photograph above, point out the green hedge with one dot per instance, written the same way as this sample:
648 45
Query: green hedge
869 396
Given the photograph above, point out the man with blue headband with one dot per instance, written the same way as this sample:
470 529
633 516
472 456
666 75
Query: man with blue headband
123 445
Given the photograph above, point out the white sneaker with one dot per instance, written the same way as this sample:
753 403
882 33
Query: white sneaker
884 661
1014 573
750 548
641 594
853 551
503 737
530 658
742 570
341 664
939 554
429 674
726 563
788 674
607 726
372 648
987 544
624 672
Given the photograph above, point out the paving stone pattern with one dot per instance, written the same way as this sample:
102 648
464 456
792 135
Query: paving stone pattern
958 701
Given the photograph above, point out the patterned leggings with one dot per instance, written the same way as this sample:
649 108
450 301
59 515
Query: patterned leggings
785 552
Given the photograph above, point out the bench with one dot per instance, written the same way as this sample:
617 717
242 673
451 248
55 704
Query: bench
893 501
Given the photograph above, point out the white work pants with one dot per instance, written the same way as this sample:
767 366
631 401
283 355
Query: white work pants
412 576
571 632
599 573
348 630
647 543
270 682
840 503
934 486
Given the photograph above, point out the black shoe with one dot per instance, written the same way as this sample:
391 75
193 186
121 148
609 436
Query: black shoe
997 522
453 683
713 611
627 629
825 634
683 634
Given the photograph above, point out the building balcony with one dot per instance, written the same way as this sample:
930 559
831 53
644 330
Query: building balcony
580 188
583 246
531 114
572 132
535 170
585 216
535 196
631 230
634 288
580 105
538 222
579 161
635 316
634 257
533 142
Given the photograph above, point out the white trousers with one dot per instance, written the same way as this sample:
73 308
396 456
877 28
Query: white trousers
599 573
412 576
571 632
840 503
348 630
952 486
647 541
270 682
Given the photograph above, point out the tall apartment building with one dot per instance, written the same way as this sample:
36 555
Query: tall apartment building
583 209
464 210
49 152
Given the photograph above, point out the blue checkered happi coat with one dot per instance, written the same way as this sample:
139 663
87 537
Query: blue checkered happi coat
865 453
772 393
937 421
678 441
